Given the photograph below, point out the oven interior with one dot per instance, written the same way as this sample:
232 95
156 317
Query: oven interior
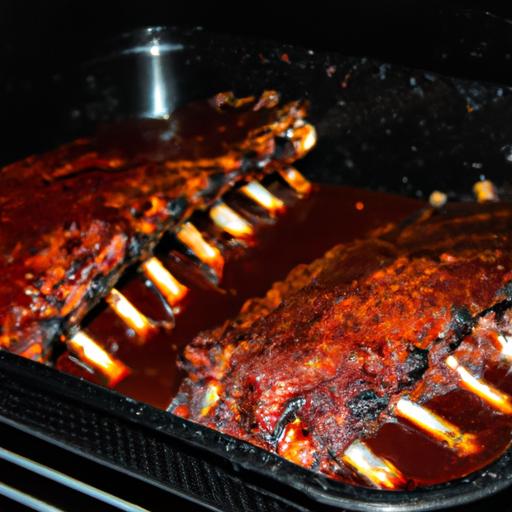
379 127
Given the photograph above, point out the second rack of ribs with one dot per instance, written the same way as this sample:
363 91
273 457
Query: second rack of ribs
72 220
332 348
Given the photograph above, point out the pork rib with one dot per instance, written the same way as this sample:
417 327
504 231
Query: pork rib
332 348
72 220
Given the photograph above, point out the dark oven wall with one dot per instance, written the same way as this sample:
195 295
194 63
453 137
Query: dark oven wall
39 40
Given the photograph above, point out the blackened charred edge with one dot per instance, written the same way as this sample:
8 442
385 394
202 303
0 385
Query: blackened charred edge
135 247
215 183
340 467
334 457
315 466
462 323
135 213
284 148
499 308
177 207
250 161
140 246
415 366
98 289
51 328
183 363
67 326
75 265
367 405
289 413
54 301
98 286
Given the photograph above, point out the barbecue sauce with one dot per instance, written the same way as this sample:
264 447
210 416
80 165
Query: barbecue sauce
308 228
404 445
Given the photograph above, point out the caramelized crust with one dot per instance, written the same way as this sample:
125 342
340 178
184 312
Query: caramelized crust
73 219
321 359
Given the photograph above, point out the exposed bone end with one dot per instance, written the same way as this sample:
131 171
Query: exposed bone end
171 289
304 139
378 471
211 397
206 252
231 222
438 427
485 191
437 199
296 180
93 355
506 345
130 315
260 195
489 394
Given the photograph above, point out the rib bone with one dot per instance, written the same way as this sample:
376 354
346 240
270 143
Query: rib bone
489 394
260 195
379 471
296 180
436 426
230 221
172 290
132 317
210 255
91 353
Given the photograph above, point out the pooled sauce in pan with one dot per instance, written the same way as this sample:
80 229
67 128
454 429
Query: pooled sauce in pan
308 228
304 232
426 461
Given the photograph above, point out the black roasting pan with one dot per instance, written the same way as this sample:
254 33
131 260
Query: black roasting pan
380 126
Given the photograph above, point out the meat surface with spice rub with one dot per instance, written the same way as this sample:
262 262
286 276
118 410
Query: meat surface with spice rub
72 220
372 331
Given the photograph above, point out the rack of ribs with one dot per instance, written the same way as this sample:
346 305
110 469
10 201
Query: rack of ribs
370 331
74 219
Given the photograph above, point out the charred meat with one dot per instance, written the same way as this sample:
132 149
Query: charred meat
72 220
323 359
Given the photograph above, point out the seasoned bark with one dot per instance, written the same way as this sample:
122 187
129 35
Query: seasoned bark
73 219
322 358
